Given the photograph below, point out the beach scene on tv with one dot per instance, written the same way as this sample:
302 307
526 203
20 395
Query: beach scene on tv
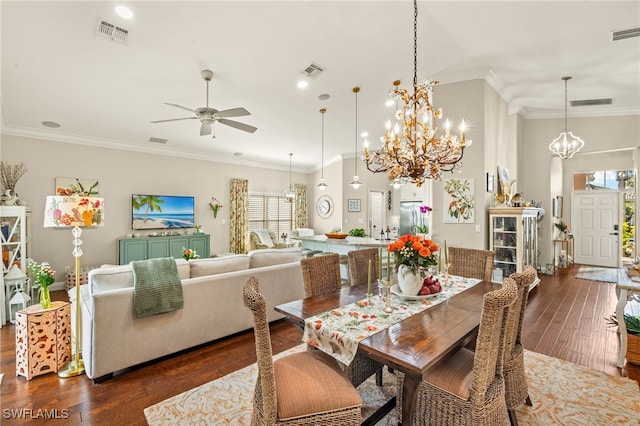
162 211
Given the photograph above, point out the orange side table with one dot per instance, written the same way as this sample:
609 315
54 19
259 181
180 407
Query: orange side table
43 339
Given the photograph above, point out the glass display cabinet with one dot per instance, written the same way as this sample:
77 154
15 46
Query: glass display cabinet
15 227
513 237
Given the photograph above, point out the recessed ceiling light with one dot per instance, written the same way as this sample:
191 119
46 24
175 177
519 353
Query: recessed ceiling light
124 12
324 97
303 84
51 124
237 154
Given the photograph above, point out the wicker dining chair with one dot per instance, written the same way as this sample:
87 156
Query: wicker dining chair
321 274
515 380
359 266
298 389
470 263
467 388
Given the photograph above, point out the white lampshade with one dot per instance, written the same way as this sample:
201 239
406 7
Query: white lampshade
68 211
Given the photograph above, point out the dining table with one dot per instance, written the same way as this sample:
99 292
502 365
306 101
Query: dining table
412 345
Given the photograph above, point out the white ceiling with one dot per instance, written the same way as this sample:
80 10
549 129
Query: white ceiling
103 92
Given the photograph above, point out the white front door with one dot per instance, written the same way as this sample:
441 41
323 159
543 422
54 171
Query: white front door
595 226
376 213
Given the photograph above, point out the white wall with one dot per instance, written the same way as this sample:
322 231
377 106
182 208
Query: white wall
602 136
122 173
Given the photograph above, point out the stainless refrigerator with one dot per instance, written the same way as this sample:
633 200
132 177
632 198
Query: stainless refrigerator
409 216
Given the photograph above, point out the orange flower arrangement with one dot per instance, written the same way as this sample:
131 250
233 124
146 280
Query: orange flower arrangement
410 250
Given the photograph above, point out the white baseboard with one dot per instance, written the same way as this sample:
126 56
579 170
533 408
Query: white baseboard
58 286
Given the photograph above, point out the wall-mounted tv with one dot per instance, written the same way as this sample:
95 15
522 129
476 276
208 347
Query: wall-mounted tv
162 211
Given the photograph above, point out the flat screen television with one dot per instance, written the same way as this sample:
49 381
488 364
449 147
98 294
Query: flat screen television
162 211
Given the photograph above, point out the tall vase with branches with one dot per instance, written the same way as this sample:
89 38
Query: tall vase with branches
9 176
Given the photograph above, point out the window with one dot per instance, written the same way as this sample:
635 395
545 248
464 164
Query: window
271 212
609 179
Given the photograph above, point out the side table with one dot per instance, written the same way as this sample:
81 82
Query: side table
567 246
43 339
626 289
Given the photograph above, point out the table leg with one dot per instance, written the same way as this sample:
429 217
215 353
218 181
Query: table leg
409 395
622 328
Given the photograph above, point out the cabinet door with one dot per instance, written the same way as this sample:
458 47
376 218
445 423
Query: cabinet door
158 248
132 249
176 245
200 243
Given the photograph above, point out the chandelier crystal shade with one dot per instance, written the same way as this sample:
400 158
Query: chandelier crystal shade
322 185
355 183
415 149
567 144
290 194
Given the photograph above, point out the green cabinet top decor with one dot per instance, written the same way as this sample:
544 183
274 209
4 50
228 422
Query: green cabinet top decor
143 248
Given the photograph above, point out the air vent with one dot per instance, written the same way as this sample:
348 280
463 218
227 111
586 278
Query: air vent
313 70
112 31
157 140
626 33
592 102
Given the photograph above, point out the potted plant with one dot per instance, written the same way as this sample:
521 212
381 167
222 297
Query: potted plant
43 276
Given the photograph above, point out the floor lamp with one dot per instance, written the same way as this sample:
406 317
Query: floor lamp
74 212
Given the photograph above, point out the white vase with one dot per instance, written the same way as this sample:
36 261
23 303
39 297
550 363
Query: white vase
408 281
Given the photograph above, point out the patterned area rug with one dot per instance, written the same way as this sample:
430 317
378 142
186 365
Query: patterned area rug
595 273
563 393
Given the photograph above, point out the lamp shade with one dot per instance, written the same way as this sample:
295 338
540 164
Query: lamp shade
15 274
69 211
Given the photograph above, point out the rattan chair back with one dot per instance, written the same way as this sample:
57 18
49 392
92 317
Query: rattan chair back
321 274
470 263
359 266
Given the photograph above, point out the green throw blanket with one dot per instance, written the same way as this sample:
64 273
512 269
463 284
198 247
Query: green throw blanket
156 287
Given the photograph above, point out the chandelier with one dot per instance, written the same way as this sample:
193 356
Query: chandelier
290 194
355 183
414 149
567 144
322 185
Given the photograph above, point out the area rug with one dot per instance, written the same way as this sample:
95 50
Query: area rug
595 273
563 393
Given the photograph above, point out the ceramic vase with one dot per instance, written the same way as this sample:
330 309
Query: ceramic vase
408 281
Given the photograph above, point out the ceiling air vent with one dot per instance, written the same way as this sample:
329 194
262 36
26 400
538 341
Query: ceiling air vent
157 140
313 70
592 102
626 33
112 31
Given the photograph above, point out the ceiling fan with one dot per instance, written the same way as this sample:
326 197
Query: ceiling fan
208 115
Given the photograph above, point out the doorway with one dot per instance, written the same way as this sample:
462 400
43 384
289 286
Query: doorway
376 213
596 226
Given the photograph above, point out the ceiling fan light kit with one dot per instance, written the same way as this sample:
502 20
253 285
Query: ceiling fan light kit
208 116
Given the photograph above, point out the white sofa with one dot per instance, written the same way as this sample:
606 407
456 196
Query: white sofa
113 339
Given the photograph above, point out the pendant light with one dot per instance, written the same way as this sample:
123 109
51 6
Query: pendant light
567 144
355 183
290 194
322 185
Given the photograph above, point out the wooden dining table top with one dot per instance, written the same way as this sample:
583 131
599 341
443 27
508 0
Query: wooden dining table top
414 344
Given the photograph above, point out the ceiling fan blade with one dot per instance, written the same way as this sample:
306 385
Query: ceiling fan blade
205 129
174 119
180 106
234 112
238 125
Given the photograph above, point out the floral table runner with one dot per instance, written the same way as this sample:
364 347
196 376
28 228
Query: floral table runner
338 332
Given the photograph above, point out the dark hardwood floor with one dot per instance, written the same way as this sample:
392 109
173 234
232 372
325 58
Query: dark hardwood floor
565 318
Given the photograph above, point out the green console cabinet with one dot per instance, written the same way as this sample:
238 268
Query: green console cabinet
151 247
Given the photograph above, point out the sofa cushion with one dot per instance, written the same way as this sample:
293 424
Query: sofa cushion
267 257
103 279
218 265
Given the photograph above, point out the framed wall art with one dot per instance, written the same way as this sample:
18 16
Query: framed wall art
353 205
77 186
459 201
491 187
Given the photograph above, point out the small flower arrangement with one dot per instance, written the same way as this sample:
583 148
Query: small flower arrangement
43 275
189 254
414 252
562 227
215 206
423 228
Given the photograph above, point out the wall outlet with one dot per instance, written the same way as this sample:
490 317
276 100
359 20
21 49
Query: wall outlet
477 228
